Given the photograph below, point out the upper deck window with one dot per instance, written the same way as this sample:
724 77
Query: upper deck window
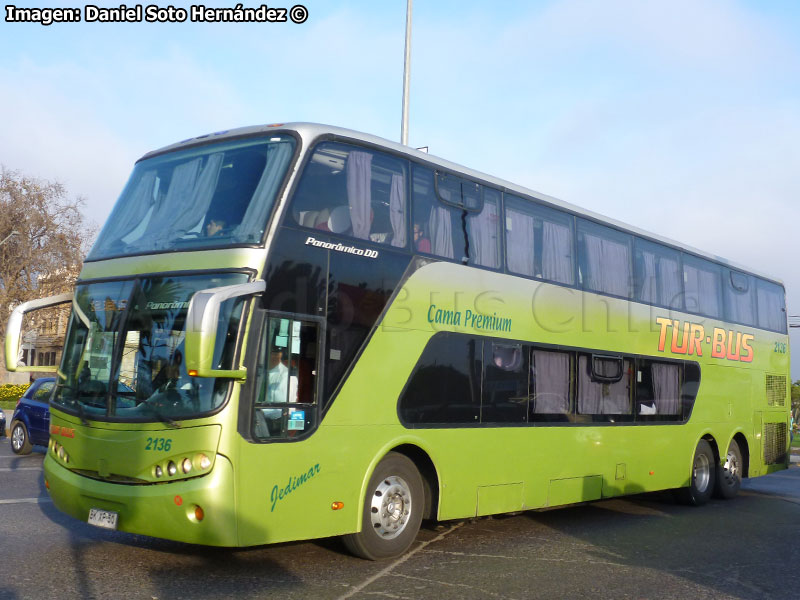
207 196
539 241
657 275
771 306
702 281
355 192
604 259
456 219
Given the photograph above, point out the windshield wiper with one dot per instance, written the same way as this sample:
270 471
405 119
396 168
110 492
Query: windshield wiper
81 413
164 418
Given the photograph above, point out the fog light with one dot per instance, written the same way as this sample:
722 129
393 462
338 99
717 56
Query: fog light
171 468
159 471
186 465
204 461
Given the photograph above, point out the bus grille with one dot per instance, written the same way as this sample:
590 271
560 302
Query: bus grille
776 390
774 443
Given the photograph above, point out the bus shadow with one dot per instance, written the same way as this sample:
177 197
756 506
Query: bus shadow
176 569
737 548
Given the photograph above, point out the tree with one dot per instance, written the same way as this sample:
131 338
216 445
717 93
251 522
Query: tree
43 236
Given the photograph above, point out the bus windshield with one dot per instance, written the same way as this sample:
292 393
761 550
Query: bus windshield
208 196
124 353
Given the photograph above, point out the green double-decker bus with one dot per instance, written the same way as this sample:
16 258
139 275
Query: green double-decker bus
298 331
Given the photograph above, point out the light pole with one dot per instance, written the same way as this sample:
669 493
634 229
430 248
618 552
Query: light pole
406 77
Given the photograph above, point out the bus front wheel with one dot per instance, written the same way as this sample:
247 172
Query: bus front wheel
702 477
392 511
729 473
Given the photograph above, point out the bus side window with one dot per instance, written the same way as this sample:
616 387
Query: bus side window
658 391
551 376
286 374
355 192
599 397
444 387
505 384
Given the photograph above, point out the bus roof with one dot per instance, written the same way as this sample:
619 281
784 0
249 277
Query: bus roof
309 132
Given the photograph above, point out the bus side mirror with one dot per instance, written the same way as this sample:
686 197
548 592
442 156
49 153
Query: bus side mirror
14 331
202 326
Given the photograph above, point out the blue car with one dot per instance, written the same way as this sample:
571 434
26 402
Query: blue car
30 423
2 423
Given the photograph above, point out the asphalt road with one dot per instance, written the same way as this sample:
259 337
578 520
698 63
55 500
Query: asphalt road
642 547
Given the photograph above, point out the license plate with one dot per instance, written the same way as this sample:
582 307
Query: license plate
103 518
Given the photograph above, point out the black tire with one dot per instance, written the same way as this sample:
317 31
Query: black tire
20 440
392 511
729 473
703 475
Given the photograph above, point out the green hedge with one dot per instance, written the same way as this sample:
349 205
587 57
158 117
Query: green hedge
10 392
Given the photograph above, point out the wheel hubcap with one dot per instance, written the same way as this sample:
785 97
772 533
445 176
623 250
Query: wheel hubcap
17 437
730 470
702 472
390 507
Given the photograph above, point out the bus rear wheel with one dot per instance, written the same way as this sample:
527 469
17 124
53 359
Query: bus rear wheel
703 476
729 473
392 511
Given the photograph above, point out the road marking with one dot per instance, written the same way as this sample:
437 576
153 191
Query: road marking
12 469
398 562
26 501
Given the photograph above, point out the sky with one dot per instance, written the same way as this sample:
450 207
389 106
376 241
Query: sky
681 117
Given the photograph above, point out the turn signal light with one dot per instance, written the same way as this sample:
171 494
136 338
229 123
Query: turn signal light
192 373
198 513
337 505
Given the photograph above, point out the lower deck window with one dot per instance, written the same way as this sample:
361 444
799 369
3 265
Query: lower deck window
286 384
463 379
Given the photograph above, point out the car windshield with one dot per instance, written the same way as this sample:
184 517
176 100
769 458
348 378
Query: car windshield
124 353
208 196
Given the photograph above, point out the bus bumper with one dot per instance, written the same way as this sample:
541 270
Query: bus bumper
166 510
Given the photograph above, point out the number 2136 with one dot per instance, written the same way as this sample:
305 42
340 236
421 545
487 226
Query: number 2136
159 444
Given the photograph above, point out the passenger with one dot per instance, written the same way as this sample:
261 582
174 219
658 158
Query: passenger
421 243
214 225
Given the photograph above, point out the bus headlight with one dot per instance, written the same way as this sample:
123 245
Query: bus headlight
171 468
186 465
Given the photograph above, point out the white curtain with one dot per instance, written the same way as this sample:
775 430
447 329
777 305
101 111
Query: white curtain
666 388
661 283
702 291
483 236
669 276
608 263
359 192
440 228
519 242
195 205
741 306
595 398
649 290
557 253
551 382
133 212
397 210
770 309
255 217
